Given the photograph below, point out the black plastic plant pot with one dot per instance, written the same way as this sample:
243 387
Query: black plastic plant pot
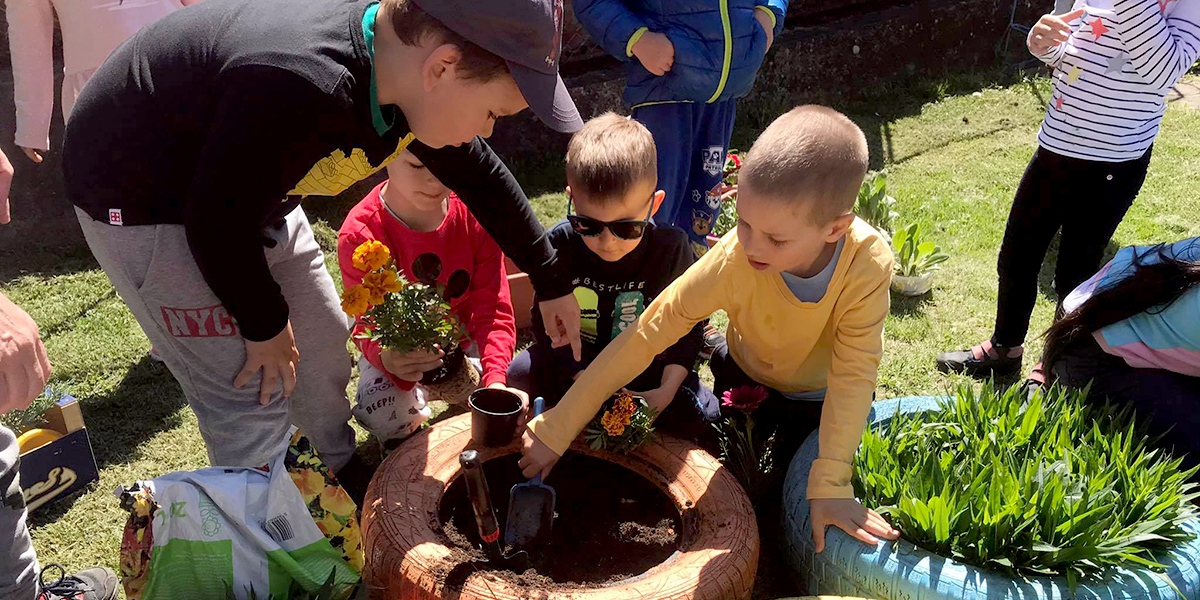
494 417
451 363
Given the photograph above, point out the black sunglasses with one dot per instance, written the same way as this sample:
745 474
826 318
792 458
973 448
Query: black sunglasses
627 229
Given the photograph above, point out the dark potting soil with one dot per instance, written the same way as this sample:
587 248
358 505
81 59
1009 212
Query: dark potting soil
610 524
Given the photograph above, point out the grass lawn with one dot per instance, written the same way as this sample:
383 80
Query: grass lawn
953 165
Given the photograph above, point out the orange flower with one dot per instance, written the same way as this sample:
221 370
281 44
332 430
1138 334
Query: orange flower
380 283
371 255
612 424
310 483
356 301
624 405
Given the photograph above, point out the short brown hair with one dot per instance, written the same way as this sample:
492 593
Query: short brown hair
412 25
610 155
812 154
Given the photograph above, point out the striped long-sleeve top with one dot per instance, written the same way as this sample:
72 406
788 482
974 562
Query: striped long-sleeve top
1112 75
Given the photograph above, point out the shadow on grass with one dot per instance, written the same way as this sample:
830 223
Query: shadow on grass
32 257
1046 273
148 392
67 323
877 106
910 306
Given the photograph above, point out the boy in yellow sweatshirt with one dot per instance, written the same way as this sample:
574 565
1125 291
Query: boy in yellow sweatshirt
805 285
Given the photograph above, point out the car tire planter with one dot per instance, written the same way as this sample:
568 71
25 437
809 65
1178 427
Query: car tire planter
406 551
904 571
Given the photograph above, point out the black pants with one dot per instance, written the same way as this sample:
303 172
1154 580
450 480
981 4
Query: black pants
1087 200
791 420
1167 402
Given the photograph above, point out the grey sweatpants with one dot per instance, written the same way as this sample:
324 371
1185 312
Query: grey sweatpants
18 563
152 269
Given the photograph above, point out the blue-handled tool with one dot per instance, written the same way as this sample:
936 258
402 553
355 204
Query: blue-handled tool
530 506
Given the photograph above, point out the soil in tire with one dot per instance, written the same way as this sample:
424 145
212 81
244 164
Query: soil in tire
611 524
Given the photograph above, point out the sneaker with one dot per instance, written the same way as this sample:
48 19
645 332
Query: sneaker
982 361
155 355
713 338
96 583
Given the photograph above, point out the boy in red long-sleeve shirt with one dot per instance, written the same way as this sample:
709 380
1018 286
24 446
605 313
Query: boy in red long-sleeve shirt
430 234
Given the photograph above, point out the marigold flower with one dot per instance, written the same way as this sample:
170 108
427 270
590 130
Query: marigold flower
615 429
356 301
371 255
624 405
380 283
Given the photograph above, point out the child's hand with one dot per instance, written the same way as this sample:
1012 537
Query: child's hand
658 398
520 394
561 317
536 457
33 153
765 21
849 516
1052 30
277 359
411 366
6 177
655 52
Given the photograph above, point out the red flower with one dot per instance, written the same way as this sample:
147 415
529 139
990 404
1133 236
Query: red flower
745 398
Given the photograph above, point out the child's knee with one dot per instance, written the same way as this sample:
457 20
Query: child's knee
385 410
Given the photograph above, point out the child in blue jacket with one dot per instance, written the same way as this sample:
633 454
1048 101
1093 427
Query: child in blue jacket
695 58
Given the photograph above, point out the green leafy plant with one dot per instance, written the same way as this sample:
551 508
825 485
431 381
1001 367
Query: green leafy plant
875 205
727 216
415 318
623 423
401 315
28 418
748 458
1046 485
916 257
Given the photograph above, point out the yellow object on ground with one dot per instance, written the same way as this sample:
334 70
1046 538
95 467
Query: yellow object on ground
36 438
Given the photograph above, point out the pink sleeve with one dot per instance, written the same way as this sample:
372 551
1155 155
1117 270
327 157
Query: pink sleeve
30 39
493 326
351 276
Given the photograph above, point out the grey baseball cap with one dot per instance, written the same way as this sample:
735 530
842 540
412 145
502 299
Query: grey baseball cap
527 34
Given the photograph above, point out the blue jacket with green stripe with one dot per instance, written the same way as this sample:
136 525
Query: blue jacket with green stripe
719 45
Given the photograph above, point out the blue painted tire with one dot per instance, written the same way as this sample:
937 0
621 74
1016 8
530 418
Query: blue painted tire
906 572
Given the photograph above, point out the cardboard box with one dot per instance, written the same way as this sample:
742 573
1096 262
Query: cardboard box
63 466
521 290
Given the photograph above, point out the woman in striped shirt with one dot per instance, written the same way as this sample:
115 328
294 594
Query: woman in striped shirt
1114 62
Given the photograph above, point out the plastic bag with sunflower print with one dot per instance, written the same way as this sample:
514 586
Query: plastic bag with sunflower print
266 533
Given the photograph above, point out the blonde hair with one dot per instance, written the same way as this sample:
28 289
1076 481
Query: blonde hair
812 155
610 155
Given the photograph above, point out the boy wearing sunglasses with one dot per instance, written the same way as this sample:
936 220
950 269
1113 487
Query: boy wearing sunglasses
619 261
805 285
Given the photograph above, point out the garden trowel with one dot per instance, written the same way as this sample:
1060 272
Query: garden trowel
485 515
530 506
